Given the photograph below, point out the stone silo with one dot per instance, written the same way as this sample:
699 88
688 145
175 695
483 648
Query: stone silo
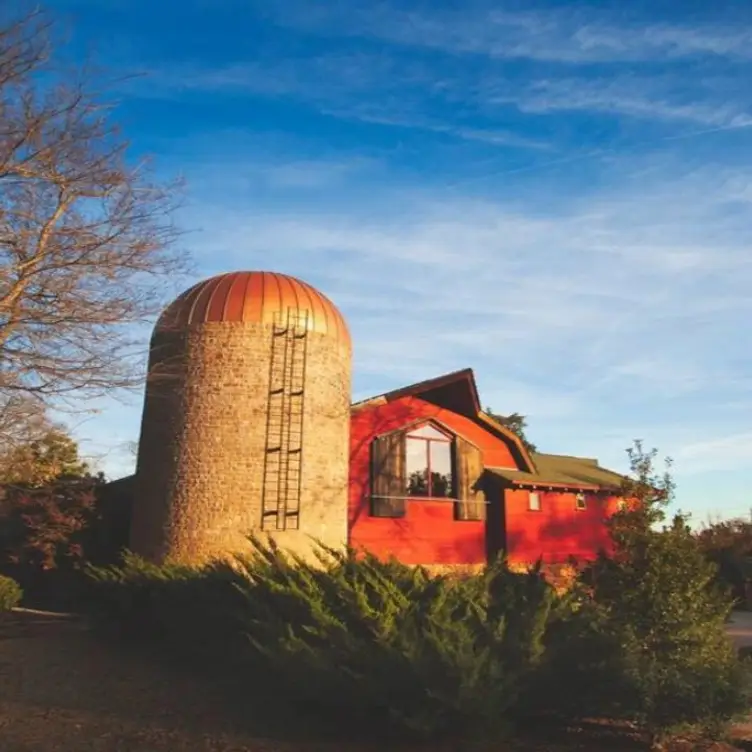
246 421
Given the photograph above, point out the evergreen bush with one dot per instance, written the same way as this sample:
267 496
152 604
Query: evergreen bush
188 611
353 636
640 637
388 642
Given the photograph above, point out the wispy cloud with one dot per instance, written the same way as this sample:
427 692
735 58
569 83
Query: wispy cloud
609 292
645 98
534 193
572 35
482 103
716 454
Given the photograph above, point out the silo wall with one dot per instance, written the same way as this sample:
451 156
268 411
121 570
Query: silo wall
199 478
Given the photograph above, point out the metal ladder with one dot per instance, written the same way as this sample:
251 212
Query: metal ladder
284 422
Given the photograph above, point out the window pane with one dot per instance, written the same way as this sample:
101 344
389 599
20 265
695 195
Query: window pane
581 502
534 501
416 465
441 469
429 432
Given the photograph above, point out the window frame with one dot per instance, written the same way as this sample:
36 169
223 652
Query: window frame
530 507
580 502
448 440
383 500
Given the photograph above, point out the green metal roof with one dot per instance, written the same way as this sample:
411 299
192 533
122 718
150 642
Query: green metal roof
563 471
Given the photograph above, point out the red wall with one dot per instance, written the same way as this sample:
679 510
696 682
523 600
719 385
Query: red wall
428 533
559 530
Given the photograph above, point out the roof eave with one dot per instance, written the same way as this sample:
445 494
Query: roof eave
526 456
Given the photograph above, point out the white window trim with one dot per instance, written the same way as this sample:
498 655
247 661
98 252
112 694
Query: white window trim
530 506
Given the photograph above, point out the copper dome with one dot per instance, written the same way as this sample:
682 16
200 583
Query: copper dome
253 297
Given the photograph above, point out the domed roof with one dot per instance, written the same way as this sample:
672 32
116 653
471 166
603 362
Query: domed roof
253 297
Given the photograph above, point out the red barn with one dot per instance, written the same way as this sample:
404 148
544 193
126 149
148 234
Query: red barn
436 481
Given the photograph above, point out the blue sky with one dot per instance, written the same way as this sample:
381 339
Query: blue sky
556 194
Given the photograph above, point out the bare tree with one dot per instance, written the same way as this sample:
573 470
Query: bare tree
86 237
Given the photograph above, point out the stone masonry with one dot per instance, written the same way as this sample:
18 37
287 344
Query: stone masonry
201 455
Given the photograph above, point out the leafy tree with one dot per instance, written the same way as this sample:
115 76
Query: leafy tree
648 492
48 503
658 599
728 543
45 528
514 422
50 459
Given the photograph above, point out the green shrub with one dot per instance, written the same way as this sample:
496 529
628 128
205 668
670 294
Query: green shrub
356 637
640 637
193 611
386 642
10 593
663 604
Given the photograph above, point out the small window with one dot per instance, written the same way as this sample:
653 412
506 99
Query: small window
534 504
581 502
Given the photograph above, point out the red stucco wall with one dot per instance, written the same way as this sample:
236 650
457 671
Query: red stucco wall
428 533
559 530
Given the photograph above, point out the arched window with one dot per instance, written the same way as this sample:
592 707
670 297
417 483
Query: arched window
428 462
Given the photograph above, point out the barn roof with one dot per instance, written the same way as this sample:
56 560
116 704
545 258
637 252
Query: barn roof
457 392
563 471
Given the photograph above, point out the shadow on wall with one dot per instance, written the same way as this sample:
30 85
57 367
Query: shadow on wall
581 534
360 455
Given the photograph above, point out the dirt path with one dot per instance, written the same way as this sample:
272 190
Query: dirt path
63 691
60 690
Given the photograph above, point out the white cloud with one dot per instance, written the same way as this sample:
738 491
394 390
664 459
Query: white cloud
606 293
648 98
716 454
598 314
572 35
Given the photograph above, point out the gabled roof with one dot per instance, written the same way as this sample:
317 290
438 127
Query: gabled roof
562 471
462 383
457 392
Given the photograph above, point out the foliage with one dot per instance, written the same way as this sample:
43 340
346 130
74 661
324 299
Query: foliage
429 654
45 528
728 544
10 593
378 641
640 637
516 423
193 611
656 597
49 459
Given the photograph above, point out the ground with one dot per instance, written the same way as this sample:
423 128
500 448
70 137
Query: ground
63 691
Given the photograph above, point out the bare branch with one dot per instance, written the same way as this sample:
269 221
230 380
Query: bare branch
86 237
